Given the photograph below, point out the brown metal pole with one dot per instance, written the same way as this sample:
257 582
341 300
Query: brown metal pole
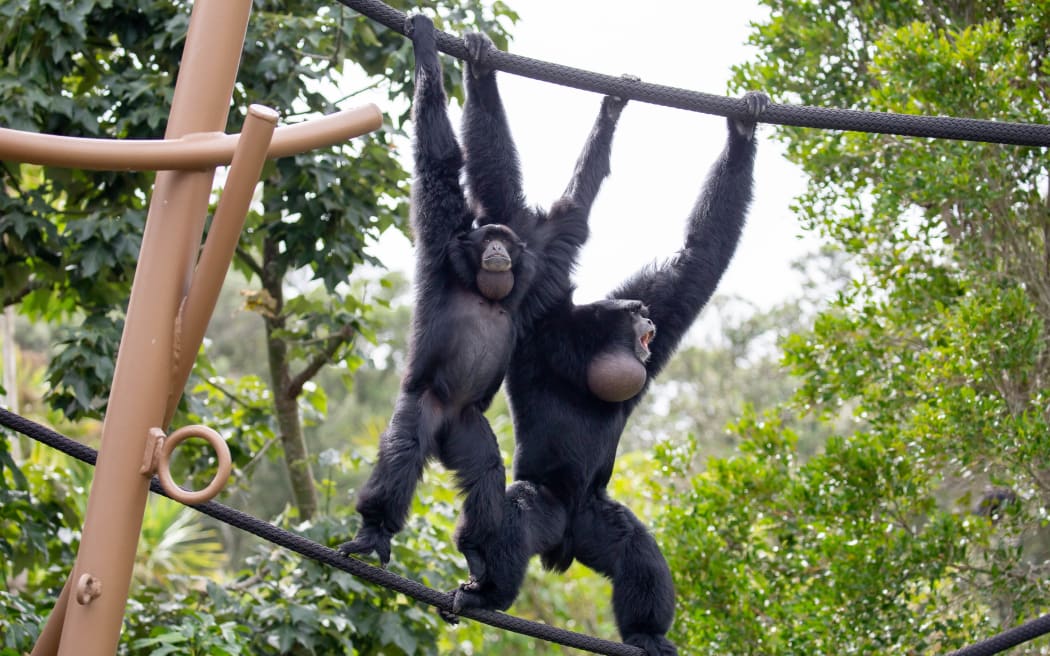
138 399
225 231
197 152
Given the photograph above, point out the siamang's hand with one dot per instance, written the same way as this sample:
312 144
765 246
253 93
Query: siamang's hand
756 104
613 105
420 29
479 46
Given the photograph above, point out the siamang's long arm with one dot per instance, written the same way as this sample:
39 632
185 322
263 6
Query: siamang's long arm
438 205
493 170
562 232
592 167
677 290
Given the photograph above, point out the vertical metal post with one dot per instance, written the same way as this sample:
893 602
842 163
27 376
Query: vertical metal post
96 594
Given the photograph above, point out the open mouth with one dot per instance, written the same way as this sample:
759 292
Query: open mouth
646 339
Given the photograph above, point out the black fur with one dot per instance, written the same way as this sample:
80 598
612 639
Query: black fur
567 437
461 341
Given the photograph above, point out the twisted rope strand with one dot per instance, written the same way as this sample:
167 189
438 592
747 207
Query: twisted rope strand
328 556
942 127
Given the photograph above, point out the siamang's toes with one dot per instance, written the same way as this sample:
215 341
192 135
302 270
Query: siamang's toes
653 644
463 598
448 616
367 540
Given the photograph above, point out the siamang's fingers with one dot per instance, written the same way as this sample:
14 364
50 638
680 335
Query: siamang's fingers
479 47
613 105
756 102
420 29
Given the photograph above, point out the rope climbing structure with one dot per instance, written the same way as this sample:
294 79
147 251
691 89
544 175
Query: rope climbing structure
174 294
942 127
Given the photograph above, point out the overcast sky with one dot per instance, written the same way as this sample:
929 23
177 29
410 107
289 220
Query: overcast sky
660 155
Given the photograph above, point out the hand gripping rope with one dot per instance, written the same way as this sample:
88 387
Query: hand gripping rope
942 127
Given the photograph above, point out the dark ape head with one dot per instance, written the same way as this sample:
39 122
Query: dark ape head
495 249
618 372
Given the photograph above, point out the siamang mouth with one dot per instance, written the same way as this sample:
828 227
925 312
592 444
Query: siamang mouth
496 263
645 340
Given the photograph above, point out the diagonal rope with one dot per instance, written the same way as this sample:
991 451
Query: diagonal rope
328 556
1030 630
942 127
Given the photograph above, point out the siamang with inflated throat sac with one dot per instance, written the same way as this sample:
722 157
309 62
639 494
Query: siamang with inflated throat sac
483 276
576 376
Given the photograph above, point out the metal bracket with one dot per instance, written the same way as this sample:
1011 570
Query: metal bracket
151 456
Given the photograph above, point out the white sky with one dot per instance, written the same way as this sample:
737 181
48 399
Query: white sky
660 155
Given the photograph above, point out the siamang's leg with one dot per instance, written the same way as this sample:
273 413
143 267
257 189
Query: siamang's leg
533 522
611 540
493 170
385 498
470 450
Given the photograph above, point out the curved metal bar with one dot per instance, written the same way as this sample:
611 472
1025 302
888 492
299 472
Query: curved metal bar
195 151
222 453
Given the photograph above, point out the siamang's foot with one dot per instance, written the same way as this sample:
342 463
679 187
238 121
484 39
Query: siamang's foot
756 102
449 616
479 48
654 644
469 595
475 565
369 538
613 105
420 29
465 596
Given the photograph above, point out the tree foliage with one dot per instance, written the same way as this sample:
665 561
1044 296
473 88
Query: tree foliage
925 527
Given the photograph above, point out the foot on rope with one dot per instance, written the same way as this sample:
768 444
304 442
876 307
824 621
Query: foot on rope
369 538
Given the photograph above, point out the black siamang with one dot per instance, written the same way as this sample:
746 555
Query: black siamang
577 375
477 288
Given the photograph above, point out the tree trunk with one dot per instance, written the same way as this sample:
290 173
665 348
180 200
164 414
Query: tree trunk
290 427
285 395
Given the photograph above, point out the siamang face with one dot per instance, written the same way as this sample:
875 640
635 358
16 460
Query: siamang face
632 318
496 247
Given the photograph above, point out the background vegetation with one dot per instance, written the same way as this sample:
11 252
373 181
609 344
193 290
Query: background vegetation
862 469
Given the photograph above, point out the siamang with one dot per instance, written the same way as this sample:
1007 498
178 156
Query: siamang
579 372
479 284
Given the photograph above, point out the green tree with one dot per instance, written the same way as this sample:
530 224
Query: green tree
923 528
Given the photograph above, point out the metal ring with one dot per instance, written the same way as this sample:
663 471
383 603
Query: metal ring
222 452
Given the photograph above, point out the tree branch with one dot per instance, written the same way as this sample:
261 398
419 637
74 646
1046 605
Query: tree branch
295 385
249 261
28 289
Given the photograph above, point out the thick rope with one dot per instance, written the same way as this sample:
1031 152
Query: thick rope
1030 630
328 556
941 127
996 644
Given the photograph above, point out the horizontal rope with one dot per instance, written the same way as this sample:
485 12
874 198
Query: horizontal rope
941 127
328 556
